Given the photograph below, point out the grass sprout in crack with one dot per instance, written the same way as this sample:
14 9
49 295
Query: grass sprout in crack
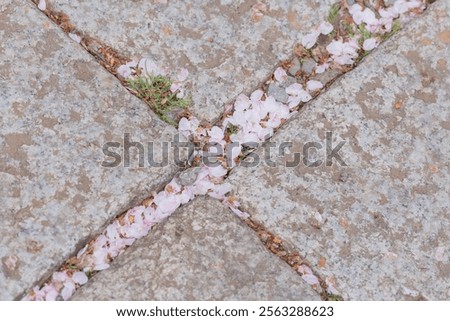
157 91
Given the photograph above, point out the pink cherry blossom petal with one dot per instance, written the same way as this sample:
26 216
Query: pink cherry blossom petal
124 71
67 291
182 75
314 85
175 87
370 44
51 294
242 103
217 171
256 95
80 278
101 267
310 39
325 28
294 89
311 279
280 74
42 5
216 134
74 37
322 68
356 12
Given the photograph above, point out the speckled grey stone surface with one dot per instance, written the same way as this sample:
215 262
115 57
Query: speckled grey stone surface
379 226
58 107
202 252
226 46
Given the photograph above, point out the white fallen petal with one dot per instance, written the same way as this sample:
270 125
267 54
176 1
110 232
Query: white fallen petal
331 288
101 266
310 39
314 85
175 87
304 269
216 133
242 102
79 278
256 95
294 89
182 75
124 71
184 124
293 101
239 213
368 16
217 171
335 47
51 294
310 279
42 5
280 74
356 12
370 44
67 291
74 37
325 28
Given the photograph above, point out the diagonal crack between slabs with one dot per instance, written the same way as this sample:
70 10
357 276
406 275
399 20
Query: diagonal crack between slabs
126 220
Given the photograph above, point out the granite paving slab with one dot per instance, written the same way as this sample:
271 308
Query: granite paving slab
378 227
227 46
202 252
58 107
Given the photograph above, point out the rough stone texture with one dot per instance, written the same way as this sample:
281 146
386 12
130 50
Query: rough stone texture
225 46
58 108
379 226
278 92
203 252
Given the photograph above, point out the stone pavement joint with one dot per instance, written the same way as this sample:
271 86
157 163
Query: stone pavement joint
291 256
105 55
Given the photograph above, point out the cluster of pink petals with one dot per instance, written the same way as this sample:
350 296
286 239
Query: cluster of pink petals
387 15
298 95
344 53
63 285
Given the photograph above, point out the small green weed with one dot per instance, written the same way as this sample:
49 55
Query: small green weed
348 28
364 33
333 13
333 297
155 91
232 129
396 26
